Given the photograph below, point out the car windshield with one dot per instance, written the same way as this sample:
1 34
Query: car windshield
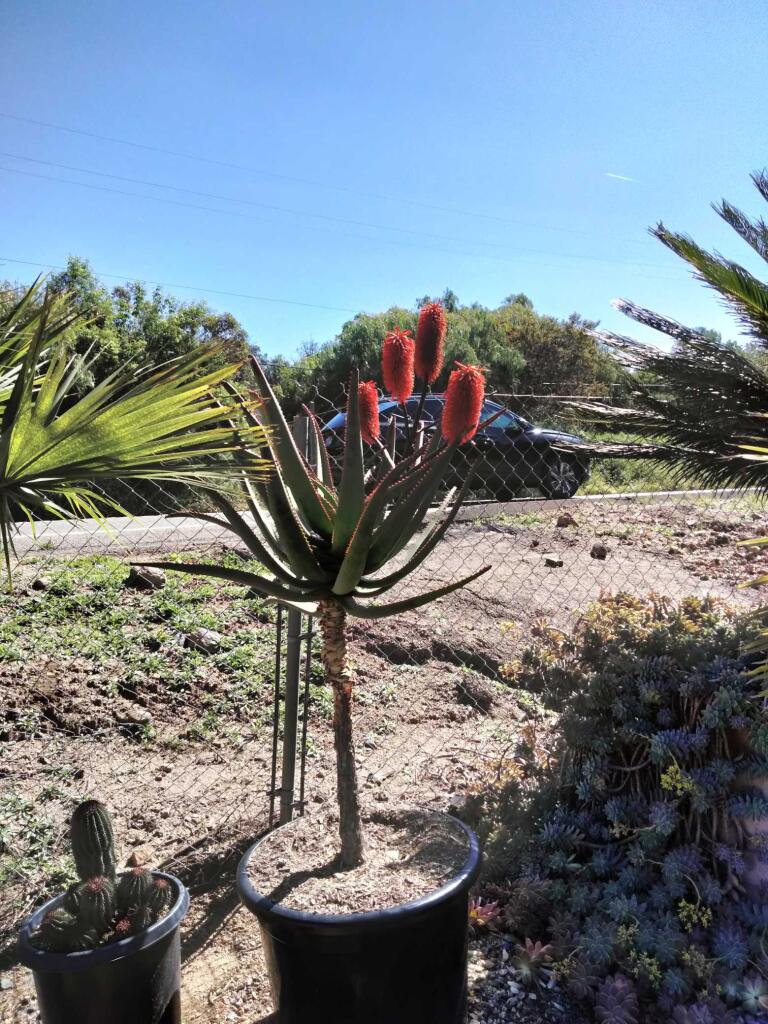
505 421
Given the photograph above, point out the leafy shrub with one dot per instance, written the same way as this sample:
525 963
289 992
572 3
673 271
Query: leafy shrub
635 854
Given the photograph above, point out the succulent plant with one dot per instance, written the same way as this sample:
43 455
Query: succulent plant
482 914
97 903
134 888
92 840
583 979
102 908
328 548
754 994
706 1011
531 963
617 1001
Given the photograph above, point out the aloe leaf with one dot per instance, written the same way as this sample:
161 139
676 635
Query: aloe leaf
383 611
352 486
297 474
425 548
324 470
404 519
252 541
243 578
353 565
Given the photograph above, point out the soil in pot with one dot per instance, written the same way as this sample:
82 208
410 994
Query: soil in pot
408 854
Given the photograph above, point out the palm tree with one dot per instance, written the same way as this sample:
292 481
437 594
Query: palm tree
701 408
162 422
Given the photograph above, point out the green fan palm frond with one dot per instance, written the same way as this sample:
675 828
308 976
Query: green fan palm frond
705 414
160 423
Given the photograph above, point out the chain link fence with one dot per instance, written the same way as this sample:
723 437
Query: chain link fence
165 698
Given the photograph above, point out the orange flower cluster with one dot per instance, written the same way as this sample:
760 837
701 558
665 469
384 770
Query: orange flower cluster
397 364
463 403
368 406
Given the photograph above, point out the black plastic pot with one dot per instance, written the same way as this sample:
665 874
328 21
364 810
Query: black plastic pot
403 965
134 981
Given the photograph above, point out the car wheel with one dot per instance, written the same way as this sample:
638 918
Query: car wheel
562 479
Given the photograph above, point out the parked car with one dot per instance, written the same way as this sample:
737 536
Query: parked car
509 455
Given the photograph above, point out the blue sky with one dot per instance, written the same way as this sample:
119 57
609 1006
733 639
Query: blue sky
357 155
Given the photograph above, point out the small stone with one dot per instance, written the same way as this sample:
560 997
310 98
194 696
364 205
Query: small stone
599 551
565 519
41 583
145 577
5 983
140 857
553 561
206 640
135 716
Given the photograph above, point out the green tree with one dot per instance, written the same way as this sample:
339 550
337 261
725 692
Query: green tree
127 326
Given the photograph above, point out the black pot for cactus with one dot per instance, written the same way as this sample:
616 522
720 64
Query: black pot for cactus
133 981
402 965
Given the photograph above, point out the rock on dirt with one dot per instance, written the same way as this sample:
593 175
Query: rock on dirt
599 551
206 640
140 857
472 690
565 519
144 577
553 561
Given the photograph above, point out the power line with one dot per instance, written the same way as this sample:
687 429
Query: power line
386 241
188 287
278 209
199 158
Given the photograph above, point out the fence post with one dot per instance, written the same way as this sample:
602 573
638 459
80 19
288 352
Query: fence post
292 677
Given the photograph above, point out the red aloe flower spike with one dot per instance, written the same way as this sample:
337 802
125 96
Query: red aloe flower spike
430 336
368 406
463 403
397 364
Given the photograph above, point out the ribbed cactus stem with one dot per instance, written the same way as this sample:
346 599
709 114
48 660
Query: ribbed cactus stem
133 889
56 931
161 897
97 903
93 843
143 917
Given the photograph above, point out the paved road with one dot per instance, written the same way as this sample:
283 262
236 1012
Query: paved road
177 533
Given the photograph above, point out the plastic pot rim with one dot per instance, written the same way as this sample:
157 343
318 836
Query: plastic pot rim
266 909
40 960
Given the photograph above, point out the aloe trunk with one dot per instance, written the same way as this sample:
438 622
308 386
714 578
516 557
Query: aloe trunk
333 619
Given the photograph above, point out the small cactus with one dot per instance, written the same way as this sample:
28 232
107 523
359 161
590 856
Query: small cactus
92 839
160 897
617 1001
97 902
55 933
143 917
134 888
101 907
71 900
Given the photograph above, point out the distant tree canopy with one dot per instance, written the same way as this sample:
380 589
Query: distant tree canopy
521 350
129 326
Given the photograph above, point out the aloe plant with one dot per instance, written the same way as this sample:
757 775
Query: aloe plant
330 551
160 422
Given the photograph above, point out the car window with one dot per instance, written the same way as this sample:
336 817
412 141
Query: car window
503 422
431 406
